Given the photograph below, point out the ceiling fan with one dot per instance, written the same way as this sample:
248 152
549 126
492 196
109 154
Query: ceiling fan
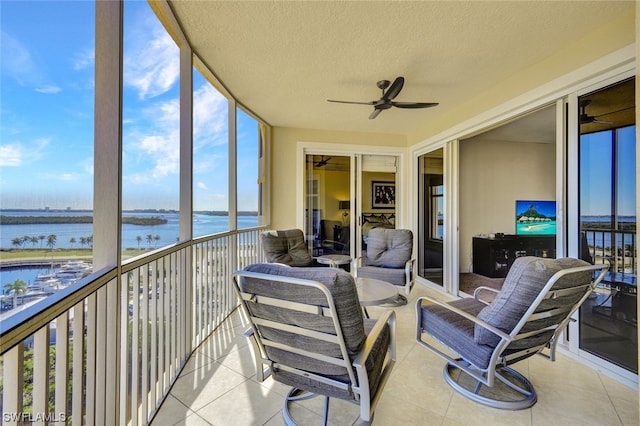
386 101
322 162
588 119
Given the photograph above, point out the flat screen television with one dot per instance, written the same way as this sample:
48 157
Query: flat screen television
535 217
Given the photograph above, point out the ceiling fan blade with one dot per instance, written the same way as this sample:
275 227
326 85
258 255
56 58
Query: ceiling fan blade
411 105
374 114
615 112
350 102
394 89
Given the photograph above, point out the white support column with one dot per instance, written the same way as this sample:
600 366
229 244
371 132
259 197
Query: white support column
186 142
233 166
451 244
233 182
108 135
107 205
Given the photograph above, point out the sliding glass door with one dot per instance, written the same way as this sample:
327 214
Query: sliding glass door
607 226
430 216
345 196
328 195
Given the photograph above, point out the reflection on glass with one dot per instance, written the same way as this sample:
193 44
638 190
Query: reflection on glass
431 216
326 189
608 320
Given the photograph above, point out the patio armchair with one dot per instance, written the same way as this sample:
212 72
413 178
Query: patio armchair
307 331
388 258
529 313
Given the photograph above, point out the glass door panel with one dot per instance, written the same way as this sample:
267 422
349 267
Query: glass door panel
328 204
377 206
607 182
430 216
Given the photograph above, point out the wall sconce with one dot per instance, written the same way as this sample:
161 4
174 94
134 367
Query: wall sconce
345 206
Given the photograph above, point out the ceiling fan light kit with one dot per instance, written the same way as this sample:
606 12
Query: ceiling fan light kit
389 92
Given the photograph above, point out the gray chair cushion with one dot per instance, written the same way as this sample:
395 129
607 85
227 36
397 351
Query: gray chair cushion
287 247
527 276
456 332
393 276
389 248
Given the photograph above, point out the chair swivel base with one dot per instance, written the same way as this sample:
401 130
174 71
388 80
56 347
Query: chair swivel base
512 391
296 394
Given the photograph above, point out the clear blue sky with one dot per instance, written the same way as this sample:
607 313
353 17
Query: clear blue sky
46 115
595 173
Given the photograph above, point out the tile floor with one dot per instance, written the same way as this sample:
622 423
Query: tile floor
218 387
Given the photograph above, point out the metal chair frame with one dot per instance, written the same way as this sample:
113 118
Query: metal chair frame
499 361
358 384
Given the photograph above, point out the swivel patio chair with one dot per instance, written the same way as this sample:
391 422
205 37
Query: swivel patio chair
307 331
388 258
526 318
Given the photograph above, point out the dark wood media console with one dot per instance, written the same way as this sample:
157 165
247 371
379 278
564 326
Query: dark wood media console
492 257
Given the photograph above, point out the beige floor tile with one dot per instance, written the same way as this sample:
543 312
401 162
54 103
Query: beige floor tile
418 380
466 412
395 409
624 399
245 404
578 403
171 412
204 385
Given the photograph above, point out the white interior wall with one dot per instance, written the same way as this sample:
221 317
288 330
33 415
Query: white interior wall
493 175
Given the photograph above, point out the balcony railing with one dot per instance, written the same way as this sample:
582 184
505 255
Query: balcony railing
617 248
107 349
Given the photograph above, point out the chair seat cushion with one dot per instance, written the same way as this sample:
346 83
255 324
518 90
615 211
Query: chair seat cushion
455 331
390 275
526 278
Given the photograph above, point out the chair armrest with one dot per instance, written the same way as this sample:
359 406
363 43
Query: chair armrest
389 317
476 293
355 264
463 314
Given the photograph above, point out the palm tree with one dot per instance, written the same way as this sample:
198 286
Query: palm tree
90 241
17 241
34 241
72 241
139 240
83 241
149 239
25 240
17 287
51 241
41 238
156 238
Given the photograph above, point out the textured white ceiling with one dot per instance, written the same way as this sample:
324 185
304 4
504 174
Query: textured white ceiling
283 60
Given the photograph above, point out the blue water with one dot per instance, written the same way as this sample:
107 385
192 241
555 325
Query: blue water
168 232
543 228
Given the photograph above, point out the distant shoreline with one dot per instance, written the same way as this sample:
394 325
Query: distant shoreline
50 220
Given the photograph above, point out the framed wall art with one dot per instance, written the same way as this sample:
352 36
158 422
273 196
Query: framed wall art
383 195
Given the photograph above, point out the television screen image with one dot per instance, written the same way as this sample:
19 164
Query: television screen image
535 217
